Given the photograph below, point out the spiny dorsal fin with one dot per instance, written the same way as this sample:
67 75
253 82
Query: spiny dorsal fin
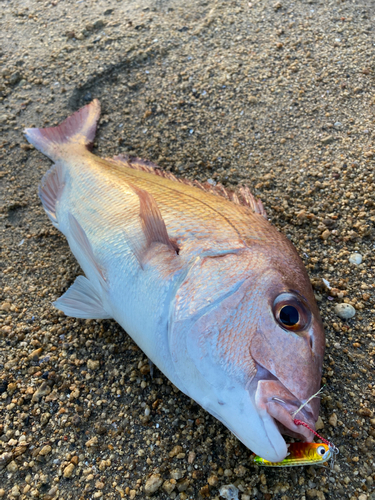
255 204
153 226
243 198
78 129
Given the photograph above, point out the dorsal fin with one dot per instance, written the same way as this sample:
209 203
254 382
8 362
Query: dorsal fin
255 204
153 226
243 197
78 129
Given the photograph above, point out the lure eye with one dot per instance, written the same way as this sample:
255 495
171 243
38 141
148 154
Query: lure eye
321 451
291 312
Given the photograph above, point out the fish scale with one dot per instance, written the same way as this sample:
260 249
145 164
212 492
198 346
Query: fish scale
197 276
182 203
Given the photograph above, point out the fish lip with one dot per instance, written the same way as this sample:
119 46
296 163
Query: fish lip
281 412
283 407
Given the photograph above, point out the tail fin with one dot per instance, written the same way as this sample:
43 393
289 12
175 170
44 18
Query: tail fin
78 129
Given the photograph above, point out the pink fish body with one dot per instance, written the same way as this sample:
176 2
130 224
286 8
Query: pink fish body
213 294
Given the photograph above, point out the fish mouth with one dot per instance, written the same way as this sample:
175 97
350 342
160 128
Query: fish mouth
283 414
274 400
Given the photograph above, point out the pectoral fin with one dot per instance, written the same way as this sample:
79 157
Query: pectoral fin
82 301
50 191
153 229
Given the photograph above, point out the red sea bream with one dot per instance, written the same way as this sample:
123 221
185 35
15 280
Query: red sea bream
213 294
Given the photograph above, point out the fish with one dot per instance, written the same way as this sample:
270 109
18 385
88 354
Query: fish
300 454
216 297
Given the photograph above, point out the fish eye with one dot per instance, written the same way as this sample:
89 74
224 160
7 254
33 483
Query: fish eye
321 450
291 312
289 316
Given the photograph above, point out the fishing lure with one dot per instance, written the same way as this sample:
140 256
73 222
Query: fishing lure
300 454
303 453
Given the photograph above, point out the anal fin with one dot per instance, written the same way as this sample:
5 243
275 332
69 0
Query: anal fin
81 300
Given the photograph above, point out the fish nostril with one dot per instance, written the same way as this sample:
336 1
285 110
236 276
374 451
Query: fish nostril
311 341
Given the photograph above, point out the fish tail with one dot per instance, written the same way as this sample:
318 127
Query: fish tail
76 132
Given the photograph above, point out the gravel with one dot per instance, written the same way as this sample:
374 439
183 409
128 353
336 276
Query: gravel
275 95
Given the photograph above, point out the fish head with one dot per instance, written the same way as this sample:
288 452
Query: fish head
288 346
247 344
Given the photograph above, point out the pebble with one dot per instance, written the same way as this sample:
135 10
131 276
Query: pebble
333 420
68 471
345 311
175 451
45 450
213 480
12 467
34 356
169 486
43 390
92 443
355 258
5 458
229 492
93 365
15 78
153 483
15 492
99 24
327 140
176 474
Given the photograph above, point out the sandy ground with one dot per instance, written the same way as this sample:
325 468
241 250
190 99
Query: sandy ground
277 95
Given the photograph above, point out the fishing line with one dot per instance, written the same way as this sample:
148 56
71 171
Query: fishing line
299 422
296 421
308 401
